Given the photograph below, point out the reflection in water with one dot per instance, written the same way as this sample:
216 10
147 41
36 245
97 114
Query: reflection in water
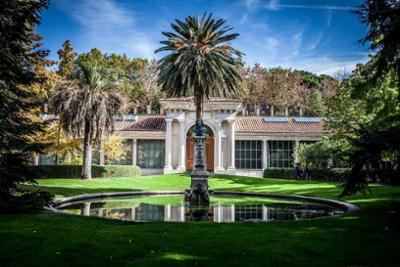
137 209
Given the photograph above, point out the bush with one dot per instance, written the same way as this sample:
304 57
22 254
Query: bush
74 171
284 173
334 174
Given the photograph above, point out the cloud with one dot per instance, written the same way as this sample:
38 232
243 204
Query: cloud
297 39
276 6
273 5
109 27
316 41
250 4
272 45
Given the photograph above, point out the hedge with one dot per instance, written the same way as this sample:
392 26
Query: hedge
334 174
74 171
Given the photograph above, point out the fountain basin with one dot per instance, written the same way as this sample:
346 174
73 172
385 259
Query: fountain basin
225 206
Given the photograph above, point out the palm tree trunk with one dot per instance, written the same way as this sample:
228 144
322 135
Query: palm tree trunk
87 152
199 107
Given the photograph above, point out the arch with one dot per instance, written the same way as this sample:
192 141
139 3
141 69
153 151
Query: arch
209 131
210 148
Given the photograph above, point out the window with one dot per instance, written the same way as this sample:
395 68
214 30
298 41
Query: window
280 154
150 153
126 159
248 154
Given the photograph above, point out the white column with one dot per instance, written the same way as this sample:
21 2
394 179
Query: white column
182 143
232 146
168 145
264 154
134 152
219 147
296 151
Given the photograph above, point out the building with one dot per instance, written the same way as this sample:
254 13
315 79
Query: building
235 144
241 145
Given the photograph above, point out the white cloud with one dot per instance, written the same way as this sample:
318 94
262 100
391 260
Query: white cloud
109 27
272 45
250 4
273 5
297 39
316 41
276 6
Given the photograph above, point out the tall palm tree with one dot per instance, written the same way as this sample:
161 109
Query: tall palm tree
200 63
87 105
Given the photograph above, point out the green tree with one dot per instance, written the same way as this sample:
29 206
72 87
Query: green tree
369 121
127 70
87 105
383 20
66 57
316 107
199 63
19 52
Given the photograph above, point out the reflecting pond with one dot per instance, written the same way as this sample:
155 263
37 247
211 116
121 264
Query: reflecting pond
222 209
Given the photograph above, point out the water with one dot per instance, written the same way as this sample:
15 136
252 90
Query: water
225 209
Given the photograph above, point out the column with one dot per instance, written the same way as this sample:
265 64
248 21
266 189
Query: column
101 152
296 151
134 152
232 145
219 166
264 154
182 143
168 145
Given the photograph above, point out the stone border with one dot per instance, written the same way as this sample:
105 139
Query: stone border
347 207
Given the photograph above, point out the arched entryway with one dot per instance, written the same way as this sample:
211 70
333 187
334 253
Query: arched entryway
209 149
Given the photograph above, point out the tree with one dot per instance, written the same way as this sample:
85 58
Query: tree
66 57
63 147
284 89
19 51
368 121
383 20
316 107
114 148
148 80
87 105
200 63
127 71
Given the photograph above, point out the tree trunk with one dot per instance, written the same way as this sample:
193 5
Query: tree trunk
87 153
199 107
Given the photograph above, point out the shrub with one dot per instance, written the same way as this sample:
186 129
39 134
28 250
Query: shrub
74 171
284 173
334 174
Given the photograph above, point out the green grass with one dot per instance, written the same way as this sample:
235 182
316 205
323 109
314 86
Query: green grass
366 238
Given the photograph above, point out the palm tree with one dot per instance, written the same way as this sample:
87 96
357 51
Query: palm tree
200 63
87 105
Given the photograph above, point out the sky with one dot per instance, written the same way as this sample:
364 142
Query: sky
319 36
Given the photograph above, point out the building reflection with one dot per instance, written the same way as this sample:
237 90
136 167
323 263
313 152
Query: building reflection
220 213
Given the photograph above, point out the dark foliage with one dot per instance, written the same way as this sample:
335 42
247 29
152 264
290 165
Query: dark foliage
383 20
74 171
19 53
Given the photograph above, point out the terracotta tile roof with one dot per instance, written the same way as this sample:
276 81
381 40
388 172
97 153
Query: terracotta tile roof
150 123
244 124
256 124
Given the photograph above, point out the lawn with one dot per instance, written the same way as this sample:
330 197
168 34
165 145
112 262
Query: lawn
366 238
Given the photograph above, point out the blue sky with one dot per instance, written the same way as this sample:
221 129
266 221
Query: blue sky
320 36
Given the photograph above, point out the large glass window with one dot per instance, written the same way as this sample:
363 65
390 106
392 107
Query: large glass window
248 154
126 158
150 153
280 154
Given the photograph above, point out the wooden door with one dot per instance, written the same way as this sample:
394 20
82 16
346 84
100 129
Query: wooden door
209 153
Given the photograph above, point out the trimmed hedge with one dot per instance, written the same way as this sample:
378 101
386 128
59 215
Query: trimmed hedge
284 173
334 174
74 171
